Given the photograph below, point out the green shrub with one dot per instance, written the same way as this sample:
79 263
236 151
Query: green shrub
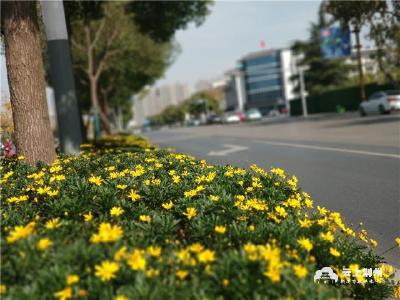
151 224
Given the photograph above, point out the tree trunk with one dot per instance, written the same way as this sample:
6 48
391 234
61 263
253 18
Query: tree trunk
33 135
94 99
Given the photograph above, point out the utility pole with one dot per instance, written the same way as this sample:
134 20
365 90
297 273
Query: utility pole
360 67
302 91
69 126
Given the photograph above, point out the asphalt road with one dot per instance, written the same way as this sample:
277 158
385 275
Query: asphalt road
346 163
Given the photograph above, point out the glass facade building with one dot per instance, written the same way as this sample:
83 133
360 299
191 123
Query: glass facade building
263 78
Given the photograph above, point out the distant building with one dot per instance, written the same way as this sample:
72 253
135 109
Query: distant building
157 99
202 85
368 61
261 80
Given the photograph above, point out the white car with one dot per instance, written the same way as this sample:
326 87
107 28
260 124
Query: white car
253 114
381 102
231 117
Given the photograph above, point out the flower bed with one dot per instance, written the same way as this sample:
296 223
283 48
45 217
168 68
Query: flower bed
150 224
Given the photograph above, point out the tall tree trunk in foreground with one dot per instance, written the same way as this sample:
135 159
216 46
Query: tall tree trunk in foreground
33 135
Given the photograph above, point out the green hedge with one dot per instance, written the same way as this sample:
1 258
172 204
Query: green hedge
348 98
151 224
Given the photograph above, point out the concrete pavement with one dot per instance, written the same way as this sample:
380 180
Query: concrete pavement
348 164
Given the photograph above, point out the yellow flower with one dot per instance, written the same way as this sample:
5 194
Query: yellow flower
373 242
181 274
306 223
43 244
334 252
21 232
120 254
64 294
43 190
71 279
121 186
53 223
397 290
88 217
322 210
82 293
281 211
397 240
220 229
121 297
137 261
214 198
225 282
152 273
305 244
97 180
52 193
116 211
3 289
206 256
251 228
176 178
133 195
168 205
56 169
190 213
107 233
106 270
145 218
154 251
327 236
300 271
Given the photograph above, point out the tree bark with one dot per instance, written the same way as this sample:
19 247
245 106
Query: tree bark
33 135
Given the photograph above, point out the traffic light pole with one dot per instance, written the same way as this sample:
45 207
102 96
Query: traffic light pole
69 126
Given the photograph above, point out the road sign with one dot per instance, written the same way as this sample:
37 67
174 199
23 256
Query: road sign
335 42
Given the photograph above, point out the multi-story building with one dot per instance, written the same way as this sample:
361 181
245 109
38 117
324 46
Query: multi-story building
262 80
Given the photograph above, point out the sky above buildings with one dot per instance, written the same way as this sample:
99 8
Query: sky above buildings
233 29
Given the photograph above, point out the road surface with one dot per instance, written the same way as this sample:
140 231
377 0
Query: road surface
346 163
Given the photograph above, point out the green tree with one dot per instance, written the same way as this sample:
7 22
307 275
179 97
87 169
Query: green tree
323 73
130 45
201 102
384 31
161 19
112 59
356 14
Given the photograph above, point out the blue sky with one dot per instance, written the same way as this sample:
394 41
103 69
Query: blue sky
235 28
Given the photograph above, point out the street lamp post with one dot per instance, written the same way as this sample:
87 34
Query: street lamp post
69 125
303 90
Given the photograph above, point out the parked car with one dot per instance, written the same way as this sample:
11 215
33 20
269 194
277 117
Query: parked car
231 117
381 102
214 119
253 114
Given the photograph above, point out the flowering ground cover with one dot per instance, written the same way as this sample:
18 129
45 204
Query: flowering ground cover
126 221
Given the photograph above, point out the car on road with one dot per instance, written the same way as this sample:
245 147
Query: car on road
214 119
253 114
231 117
382 102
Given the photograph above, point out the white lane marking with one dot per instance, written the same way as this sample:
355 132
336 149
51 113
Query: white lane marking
231 149
329 149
